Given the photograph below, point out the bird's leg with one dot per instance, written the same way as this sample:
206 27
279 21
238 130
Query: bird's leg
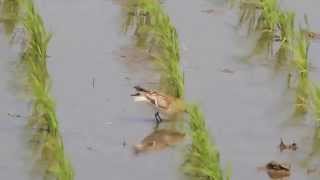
157 117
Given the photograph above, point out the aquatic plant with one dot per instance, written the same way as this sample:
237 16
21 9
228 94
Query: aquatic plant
316 141
272 24
267 26
9 14
249 11
278 25
287 29
262 18
315 104
46 140
301 63
155 33
202 160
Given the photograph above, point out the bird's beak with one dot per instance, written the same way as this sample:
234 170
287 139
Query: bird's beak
136 94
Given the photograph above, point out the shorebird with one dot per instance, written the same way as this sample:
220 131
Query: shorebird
168 106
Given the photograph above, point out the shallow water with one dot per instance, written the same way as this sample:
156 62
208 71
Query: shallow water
100 123
247 110
13 164
93 68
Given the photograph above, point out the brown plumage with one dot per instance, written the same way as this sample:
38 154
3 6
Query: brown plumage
167 105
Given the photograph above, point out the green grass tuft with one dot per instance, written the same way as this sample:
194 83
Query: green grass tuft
202 160
287 28
46 140
300 55
154 32
316 102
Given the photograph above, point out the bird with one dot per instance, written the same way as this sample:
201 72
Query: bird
167 105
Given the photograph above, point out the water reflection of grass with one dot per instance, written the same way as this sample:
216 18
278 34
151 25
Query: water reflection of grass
46 140
9 14
155 33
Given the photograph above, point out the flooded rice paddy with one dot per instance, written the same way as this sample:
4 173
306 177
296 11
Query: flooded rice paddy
94 66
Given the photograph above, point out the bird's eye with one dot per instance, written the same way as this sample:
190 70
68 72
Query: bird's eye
152 143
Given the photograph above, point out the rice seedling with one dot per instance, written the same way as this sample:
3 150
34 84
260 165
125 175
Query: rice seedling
293 50
46 141
266 18
249 12
272 22
154 32
307 30
267 26
315 104
202 160
301 63
316 141
287 27
9 14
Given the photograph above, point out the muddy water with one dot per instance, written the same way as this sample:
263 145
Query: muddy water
13 164
92 80
93 68
247 106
